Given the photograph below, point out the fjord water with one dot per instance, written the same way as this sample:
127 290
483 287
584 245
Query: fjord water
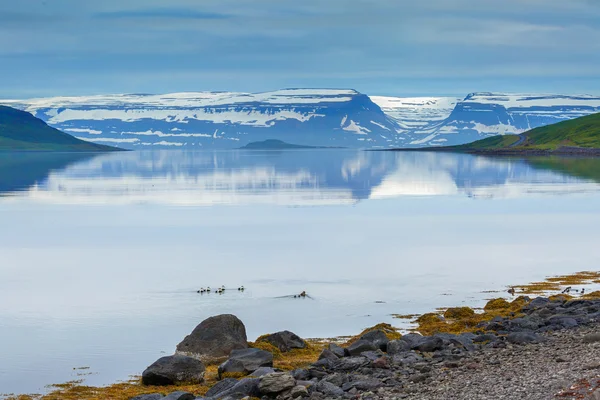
101 255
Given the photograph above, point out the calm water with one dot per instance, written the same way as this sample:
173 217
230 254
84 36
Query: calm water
100 256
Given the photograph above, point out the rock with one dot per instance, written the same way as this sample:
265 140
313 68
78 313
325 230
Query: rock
360 346
154 396
367 384
301 374
246 361
172 370
299 392
276 382
378 338
214 339
430 344
522 338
180 396
525 323
262 371
538 302
397 346
245 387
413 339
284 341
591 338
328 354
336 378
350 363
221 386
381 363
329 389
562 321
337 350
372 355
485 338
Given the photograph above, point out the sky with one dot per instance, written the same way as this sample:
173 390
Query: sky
379 47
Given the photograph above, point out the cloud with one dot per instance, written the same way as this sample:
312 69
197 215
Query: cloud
160 13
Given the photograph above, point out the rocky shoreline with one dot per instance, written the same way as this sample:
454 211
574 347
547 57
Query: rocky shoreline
540 348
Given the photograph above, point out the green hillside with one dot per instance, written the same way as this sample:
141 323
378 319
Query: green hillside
580 133
21 131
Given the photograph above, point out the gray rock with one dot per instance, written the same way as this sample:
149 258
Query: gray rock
430 344
246 361
526 323
245 387
328 354
378 338
336 378
397 346
301 374
299 392
221 386
329 389
538 302
591 338
285 341
372 355
174 369
154 396
180 396
413 339
276 382
350 363
360 346
337 350
486 337
367 384
262 371
523 338
562 321
214 339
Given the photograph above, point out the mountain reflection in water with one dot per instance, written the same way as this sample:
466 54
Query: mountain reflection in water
298 177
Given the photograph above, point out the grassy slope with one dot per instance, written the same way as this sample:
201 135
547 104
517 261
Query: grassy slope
21 131
580 132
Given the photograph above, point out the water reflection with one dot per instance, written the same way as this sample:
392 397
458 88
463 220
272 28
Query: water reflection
283 177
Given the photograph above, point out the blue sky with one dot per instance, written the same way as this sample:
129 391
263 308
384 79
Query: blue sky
389 47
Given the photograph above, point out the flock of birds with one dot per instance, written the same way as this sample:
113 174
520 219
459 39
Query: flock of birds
220 290
566 291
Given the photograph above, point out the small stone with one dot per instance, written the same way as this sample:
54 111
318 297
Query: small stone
382 363
329 389
246 361
328 354
591 338
174 369
221 386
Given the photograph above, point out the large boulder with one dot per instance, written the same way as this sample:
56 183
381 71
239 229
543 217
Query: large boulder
245 387
277 382
221 386
246 361
284 341
180 396
172 370
213 340
361 346
378 338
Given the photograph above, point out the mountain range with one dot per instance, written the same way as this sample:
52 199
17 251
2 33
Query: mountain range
305 117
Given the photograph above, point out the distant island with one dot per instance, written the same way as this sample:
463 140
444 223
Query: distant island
274 144
579 136
21 131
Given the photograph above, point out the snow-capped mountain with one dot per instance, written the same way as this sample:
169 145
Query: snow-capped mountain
323 117
416 112
313 117
481 115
